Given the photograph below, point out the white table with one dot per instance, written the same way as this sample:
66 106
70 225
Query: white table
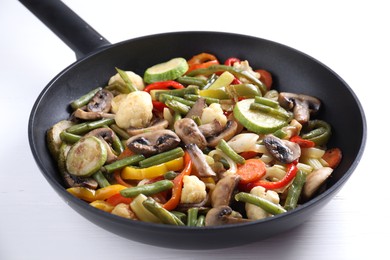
349 37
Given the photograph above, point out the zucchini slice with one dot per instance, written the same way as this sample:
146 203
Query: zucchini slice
53 138
86 156
169 70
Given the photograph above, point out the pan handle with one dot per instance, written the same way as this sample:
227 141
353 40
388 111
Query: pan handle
67 25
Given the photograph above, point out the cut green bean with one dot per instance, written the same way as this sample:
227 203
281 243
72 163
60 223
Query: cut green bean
320 132
201 221
294 192
170 175
83 100
127 80
69 138
278 112
179 92
165 97
266 205
192 217
226 149
178 107
266 102
117 144
147 189
131 160
192 81
88 126
180 215
162 157
120 132
193 97
164 215
101 179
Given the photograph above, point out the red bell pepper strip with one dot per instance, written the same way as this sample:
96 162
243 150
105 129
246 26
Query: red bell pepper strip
118 198
303 143
265 77
163 85
178 184
292 170
158 106
231 61
203 65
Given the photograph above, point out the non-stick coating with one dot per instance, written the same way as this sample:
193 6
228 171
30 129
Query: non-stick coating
292 70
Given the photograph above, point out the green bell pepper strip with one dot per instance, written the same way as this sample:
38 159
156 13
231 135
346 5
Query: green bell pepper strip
236 72
319 132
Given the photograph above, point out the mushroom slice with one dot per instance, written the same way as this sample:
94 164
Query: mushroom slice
302 105
197 108
156 124
211 129
189 132
315 179
223 191
228 132
86 115
199 161
223 215
101 102
151 143
282 150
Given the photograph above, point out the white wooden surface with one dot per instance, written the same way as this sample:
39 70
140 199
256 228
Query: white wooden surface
350 37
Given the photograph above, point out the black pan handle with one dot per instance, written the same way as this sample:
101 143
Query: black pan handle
67 25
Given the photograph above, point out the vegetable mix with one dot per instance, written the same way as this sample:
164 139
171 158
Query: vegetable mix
194 142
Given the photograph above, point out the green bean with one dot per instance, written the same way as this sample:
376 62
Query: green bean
127 80
131 160
193 97
192 81
201 221
162 157
178 107
83 100
320 132
267 102
101 179
69 138
170 175
266 205
179 92
164 215
118 86
117 144
147 189
165 97
192 217
180 215
278 112
88 126
294 192
120 132
236 72
226 149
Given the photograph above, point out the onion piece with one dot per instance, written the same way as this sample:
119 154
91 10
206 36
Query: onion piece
232 164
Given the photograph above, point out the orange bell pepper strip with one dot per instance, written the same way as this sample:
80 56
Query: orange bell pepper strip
201 61
178 184
265 77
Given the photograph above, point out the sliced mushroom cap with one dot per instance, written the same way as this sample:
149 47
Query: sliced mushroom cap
199 162
302 105
101 102
153 142
156 124
314 181
223 215
211 129
228 132
189 132
282 150
223 191
197 108
86 115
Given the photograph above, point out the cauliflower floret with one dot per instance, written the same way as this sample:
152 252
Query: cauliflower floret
244 66
135 110
194 190
255 212
123 210
135 79
214 111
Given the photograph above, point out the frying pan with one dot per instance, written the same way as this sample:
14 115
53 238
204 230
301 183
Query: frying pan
293 71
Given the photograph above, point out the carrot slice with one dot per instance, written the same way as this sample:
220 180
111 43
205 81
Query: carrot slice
333 157
251 171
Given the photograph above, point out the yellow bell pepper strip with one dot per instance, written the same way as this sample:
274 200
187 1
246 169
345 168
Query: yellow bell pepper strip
92 195
178 184
132 173
102 205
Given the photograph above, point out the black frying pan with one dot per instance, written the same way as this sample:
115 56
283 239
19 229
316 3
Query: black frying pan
293 71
